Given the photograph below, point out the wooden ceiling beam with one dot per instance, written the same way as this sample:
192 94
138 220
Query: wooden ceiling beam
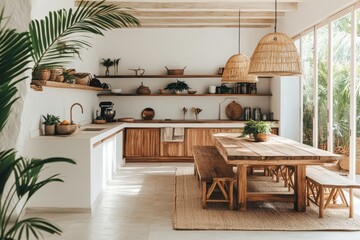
219 6
204 20
218 14
202 26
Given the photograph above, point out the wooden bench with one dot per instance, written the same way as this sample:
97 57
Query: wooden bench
214 173
325 187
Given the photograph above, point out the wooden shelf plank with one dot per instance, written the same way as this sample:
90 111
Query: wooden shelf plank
161 76
187 95
64 85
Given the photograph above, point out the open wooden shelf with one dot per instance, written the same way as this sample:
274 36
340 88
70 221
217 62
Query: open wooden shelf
161 76
168 76
185 95
42 83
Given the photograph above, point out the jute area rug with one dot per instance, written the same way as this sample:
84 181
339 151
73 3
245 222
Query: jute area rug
188 213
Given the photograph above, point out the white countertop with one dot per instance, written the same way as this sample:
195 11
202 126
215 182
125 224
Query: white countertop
112 128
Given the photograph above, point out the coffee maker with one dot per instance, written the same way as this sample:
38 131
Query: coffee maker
107 111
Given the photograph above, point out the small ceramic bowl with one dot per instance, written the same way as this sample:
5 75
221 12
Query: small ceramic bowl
192 91
116 90
162 91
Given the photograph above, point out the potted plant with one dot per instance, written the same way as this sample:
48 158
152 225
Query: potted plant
178 86
107 63
260 130
49 122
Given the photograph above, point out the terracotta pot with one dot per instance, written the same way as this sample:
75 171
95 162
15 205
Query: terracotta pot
49 130
261 137
41 74
143 90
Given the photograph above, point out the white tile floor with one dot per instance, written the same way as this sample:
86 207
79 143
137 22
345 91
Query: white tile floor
138 205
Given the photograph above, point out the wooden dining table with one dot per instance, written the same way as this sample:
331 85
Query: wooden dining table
278 151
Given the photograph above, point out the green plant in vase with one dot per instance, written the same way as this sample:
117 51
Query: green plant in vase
107 63
177 87
260 130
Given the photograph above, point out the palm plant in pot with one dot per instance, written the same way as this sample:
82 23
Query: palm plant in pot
50 42
260 130
178 87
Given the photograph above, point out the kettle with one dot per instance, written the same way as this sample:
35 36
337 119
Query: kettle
143 90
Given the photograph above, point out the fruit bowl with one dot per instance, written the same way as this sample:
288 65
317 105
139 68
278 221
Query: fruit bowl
66 129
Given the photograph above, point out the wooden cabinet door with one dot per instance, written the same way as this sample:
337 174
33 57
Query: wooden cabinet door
172 149
142 142
203 137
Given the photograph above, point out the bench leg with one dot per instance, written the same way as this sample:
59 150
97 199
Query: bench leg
351 200
231 195
203 197
321 202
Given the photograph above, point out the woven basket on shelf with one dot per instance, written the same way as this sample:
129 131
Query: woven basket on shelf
82 78
236 70
41 74
54 73
275 55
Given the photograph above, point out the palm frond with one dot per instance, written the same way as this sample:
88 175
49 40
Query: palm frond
15 52
61 35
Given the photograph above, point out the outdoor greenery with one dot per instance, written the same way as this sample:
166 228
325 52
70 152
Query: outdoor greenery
254 127
341 40
50 42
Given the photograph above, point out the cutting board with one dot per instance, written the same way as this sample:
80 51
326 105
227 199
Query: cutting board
223 106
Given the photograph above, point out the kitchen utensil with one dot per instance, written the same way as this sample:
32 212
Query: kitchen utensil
109 114
139 71
143 90
233 110
116 90
175 71
126 120
66 129
104 106
148 114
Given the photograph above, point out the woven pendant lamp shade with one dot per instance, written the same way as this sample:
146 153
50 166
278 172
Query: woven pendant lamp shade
275 55
236 70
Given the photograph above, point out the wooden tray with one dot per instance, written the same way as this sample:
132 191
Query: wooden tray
126 120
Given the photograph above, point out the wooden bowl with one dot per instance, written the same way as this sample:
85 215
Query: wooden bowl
192 91
148 114
99 121
66 129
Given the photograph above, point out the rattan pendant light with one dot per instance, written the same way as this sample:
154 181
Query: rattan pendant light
275 55
237 67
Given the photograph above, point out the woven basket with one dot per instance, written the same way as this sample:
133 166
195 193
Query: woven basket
175 71
41 74
54 73
233 110
82 78
275 55
236 70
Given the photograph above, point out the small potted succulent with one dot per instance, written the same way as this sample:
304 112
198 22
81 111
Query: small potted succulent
260 130
178 86
50 121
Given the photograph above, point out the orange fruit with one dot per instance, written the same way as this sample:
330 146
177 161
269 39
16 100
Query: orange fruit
64 122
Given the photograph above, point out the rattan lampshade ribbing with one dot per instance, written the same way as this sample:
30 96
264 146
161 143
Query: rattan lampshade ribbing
275 55
236 70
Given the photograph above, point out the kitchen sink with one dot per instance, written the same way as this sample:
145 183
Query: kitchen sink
92 129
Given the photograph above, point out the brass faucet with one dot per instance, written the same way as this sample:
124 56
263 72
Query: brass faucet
82 111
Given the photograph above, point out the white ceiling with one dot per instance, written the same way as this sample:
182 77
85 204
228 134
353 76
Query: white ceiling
206 13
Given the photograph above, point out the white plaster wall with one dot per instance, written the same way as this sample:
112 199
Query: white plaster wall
202 51
310 13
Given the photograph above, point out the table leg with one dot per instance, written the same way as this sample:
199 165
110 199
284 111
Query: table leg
300 188
242 186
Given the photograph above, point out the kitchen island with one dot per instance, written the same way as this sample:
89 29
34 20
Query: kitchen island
100 149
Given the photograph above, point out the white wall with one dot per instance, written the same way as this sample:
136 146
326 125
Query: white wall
310 13
202 51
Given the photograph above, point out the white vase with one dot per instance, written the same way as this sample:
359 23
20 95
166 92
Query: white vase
212 89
